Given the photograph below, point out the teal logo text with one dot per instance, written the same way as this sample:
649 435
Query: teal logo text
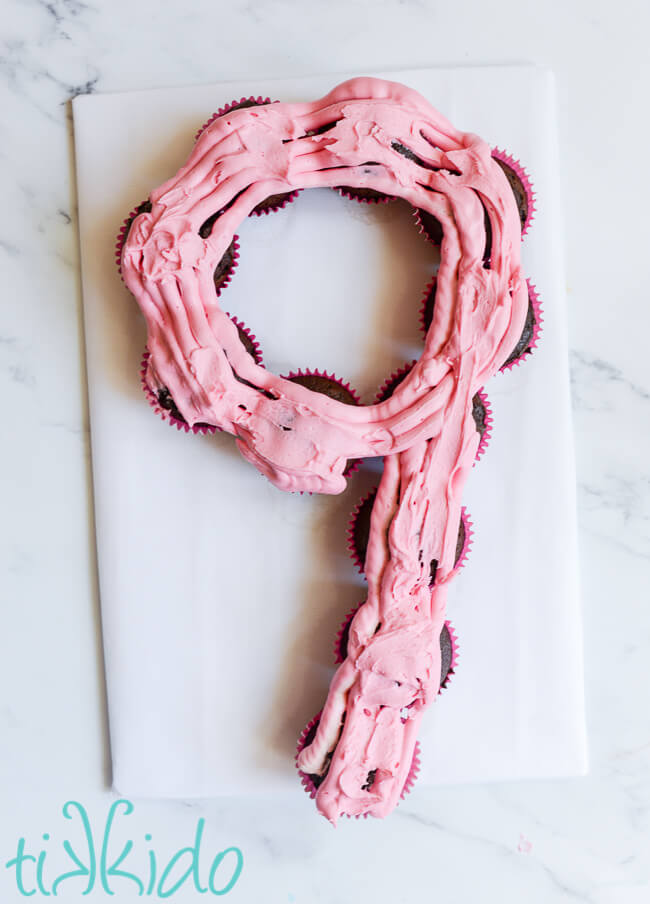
106 861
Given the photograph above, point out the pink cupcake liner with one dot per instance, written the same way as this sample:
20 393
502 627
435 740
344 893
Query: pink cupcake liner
488 421
538 317
164 413
453 637
353 464
347 191
391 382
121 238
281 199
227 276
308 783
524 178
305 779
252 346
413 772
425 316
351 544
341 641
424 231
468 525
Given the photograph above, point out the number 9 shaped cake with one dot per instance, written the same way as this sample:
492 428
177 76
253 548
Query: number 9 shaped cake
202 369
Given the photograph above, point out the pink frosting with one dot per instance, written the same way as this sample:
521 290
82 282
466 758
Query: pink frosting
302 440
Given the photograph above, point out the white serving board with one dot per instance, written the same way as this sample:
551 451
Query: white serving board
221 596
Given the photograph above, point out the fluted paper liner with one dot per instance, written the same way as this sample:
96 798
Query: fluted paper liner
535 303
488 422
426 310
353 194
526 183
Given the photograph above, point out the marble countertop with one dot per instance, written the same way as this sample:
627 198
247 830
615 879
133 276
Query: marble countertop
546 842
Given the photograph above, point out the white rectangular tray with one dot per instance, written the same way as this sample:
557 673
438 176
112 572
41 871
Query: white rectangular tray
221 596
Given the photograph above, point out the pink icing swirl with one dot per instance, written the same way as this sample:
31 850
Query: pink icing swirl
388 138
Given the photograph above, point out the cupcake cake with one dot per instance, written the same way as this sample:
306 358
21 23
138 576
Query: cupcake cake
373 141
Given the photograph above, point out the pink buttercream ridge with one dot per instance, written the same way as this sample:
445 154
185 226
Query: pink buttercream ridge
423 305
301 440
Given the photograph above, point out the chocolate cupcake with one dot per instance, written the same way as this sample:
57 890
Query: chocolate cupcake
331 386
521 186
364 195
530 333
481 409
273 202
161 399
359 534
312 782
224 269
428 226
522 190
327 384
448 647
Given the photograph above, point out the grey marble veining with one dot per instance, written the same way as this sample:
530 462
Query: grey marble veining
545 842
